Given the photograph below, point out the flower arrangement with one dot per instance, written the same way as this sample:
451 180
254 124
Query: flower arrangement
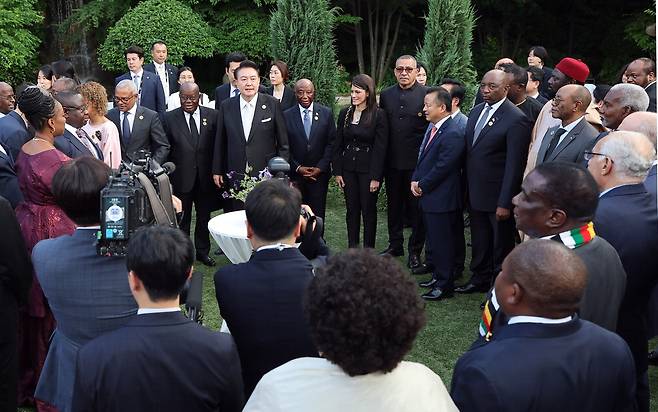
240 184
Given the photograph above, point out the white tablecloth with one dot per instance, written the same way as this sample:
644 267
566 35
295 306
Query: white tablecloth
230 232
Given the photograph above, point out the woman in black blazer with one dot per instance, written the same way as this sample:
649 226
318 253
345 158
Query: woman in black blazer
278 89
358 162
537 57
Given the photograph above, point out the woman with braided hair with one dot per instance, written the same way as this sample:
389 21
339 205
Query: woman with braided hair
40 218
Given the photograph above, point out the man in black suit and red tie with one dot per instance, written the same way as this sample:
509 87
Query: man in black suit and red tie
191 131
497 140
311 133
251 129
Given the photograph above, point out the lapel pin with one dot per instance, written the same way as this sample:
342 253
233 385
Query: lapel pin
141 117
205 122
264 107
316 117
420 114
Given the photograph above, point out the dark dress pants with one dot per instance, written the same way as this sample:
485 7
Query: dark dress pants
460 246
399 202
360 202
8 349
492 241
440 254
314 194
205 201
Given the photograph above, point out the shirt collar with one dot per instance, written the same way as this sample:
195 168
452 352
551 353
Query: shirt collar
251 104
455 113
649 85
146 311
278 246
537 319
195 113
571 125
140 73
496 105
440 122
611 188
310 109
71 129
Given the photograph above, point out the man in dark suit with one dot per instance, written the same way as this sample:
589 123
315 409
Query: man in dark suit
568 141
517 78
160 360
535 81
642 72
546 358
9 188
7 99
457 93
436 182
231 89
645 123
75 142
167 73
191 130
14 132
149 89
15 282
497 139
311 133
403 104
251 128
261 300
627 218
139 128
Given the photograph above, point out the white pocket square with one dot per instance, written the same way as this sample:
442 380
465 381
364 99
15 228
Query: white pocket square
266 120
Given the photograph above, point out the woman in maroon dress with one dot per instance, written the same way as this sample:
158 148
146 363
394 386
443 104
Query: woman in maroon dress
40 218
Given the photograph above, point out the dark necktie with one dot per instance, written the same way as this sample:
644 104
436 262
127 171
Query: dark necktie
480 125
554 142
125 129
194 131
307 124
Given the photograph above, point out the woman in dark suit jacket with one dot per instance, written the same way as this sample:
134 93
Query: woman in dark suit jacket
278 78
359 155
537 57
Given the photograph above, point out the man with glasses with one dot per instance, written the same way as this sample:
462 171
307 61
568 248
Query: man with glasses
75 142
7 99
627 218
139 128
403 104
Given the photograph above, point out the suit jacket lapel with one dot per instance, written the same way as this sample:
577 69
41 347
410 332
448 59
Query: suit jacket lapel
495 117
184 126
433 141
138 125
77 143
567 139
314 127
259 114
235 104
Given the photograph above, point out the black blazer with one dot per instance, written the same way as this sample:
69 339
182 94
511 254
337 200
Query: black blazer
159 361
573 366
406 124
147 134
626 217
151 94
261 301
543 87
572 146
315 151
192 158
71 146
172 75
438 169
495 164
650 182
651 91
288 99
13 133
223 92
361 147
9 188
15 265
268 136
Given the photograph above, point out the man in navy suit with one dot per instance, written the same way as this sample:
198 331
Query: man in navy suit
457 93
311 133
75 142
9 188
149 88
14 131
645 123
167 73
160 360
261 300
436 184
7 99
627 218
497 140
545 358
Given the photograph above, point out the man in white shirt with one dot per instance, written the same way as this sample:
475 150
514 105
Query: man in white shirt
166 72
149 88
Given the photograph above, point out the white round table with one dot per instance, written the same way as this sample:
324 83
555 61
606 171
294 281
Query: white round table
230 232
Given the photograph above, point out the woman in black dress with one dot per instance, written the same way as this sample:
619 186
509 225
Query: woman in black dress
358 164
278 79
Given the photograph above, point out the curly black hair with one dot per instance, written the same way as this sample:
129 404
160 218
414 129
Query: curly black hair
37 105
363 311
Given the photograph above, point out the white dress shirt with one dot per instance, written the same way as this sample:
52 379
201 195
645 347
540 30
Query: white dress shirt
537 319
2 115
455 113
146 311
197 119
233 89
310 113
247 110
2 149
494 107
131 117
161 70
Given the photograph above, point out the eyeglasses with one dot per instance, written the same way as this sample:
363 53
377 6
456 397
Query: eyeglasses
588 156
124 99
78 108
401 69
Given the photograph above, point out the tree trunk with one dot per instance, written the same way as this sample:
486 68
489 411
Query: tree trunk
358 36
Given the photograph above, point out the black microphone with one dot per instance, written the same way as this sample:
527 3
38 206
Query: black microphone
169 167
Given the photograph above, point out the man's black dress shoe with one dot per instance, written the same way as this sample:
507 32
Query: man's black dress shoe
391 251
653 357
471 288
414 261
437 294
206 260
428 283
422 269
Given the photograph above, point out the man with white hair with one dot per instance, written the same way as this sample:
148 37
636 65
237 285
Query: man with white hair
627 218
645 123
139 128
622 100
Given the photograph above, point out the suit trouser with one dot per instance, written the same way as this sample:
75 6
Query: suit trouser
204 203
441 235
8 350
360 202
492 241
399 201
314 194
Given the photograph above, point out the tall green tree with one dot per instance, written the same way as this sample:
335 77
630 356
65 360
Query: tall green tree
302 36
446 49
18 45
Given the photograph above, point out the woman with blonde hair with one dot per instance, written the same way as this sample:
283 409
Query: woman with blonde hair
99 127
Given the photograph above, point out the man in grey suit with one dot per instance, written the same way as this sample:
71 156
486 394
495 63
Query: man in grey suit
568 141
88 294
139 128
457 91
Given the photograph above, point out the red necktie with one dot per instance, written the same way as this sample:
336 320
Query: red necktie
432 133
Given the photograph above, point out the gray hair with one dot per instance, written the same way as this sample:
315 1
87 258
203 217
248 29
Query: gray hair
126 84
631 95
632 153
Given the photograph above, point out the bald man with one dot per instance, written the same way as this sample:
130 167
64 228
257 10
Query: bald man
7 99
546 358
311 133
497 138
191 133
573 136
627 218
